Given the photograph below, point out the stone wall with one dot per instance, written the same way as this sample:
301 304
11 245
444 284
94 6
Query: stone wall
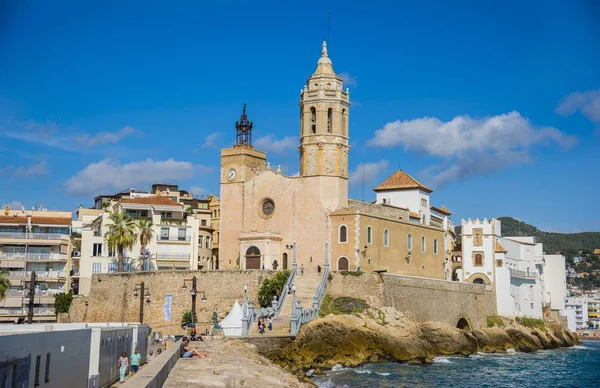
439 300
368 286
420 299
111 297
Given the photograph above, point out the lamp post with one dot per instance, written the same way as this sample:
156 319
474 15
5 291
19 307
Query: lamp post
193 293
142 296
32 284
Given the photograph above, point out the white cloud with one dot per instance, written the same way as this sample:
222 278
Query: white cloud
270 144
469 146
348 79
209 140
588 103
34 169
198 191
110 175
101 138
367 171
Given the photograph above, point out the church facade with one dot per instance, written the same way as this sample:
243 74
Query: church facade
263 211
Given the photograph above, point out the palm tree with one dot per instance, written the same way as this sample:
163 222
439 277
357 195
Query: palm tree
4 284
146 232
121 234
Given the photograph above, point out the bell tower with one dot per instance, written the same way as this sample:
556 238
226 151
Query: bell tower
324 109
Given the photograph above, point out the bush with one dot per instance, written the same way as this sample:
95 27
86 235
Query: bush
271 287
351 273
343 305
62 302
532 323
186 318
494 320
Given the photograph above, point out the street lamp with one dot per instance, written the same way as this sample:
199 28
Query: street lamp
193 293
144 295
32 285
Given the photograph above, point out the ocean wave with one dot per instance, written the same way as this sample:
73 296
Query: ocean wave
581 347
383 374
325 384
441 360
474 356
362 371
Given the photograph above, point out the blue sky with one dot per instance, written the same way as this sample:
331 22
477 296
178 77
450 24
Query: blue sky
497 106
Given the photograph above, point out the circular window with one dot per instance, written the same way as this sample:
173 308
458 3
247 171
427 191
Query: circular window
267 208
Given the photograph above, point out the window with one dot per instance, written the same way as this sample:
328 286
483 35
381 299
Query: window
47 378
477 237
313 120
531 292
435 247
202 222
343 234
96 267
164 233
207 242
38 359
344 123
478 259
369 235
329 114
97 249
423 202
181 234
268 207
409 244
166 214
386 238
200 240
423 244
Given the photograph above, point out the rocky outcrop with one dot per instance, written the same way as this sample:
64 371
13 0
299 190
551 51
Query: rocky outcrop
386 335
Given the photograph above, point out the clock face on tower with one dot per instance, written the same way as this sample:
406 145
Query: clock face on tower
231 174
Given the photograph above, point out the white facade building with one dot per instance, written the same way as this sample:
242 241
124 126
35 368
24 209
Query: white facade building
579 308
554 282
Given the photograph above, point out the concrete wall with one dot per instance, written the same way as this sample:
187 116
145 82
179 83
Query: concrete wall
66 353
439 300
155 373
111 296
368 286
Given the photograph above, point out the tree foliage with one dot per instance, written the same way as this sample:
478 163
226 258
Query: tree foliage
121 234
62 302
186 318
4 284
271 287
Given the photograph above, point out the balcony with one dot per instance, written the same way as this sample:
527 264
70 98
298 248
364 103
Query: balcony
40 274
34 256
174 238
33 236
173 256
522 274
25 311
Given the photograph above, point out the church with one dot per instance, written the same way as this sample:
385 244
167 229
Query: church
263 211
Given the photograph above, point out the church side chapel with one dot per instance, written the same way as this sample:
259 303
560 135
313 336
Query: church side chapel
263 211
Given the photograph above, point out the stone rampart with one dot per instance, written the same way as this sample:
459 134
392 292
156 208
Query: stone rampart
111 296
420 299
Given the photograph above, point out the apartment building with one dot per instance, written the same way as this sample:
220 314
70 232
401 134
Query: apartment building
34 245
182 237
576 311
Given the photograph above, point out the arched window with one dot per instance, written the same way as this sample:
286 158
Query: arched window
435 247
531 293
343 234
369 235
386 238
253 251
409 244
423 244
313 120
329 114
478 259
478 281
344 123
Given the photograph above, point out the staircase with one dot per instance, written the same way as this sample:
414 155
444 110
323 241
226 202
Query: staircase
306 288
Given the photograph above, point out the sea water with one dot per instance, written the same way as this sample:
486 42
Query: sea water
567 367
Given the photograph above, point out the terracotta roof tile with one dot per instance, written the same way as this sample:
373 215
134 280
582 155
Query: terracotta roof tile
153 200
414 215
442 210
36 220
500 248
401 181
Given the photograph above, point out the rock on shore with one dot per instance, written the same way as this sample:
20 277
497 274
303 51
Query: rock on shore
380 335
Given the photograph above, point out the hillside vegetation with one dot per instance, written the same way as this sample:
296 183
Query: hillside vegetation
568 243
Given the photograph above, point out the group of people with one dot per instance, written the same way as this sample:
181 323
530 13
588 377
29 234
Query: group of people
262 325
136 357
302 270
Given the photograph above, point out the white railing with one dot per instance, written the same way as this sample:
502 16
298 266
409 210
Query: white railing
21 311
174 238
34 236
173 256
39 274
522 274
33 256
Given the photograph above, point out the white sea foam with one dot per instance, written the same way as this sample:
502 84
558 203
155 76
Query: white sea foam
475 356
580 347
325 384
362 371
511 351
383 374
441 360
337 367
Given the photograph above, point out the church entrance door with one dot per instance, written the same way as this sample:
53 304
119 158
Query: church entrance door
342 264
285 261
253 258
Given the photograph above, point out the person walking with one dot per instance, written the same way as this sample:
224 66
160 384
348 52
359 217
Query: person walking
319 270
302 269
158 352
135 361
259 326
123 363
150 356
270 324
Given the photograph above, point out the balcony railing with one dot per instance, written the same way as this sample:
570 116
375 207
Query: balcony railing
522 274
21 311
33 256
34 236
174 238
39 274
173 256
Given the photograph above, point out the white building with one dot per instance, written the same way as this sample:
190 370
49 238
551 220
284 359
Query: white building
180 241
554 282
577 307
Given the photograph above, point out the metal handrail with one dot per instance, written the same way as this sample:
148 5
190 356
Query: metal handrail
34 236
33 256
522 274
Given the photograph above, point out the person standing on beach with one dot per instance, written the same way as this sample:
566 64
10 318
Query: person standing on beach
123 363
135 361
